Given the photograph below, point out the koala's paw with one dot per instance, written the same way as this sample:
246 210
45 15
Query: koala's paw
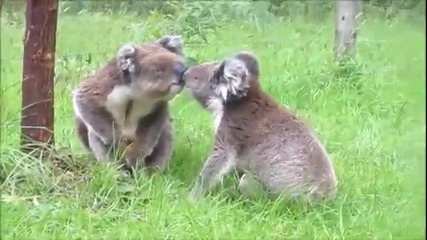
108 137
109 140
129 154
195 194
106 140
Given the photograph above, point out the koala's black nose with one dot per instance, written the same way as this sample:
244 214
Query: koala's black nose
179 70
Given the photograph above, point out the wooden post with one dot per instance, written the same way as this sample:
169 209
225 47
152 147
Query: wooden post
37 79
346 12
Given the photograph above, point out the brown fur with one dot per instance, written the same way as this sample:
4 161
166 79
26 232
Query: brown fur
149 75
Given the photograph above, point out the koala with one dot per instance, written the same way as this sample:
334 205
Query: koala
255 136
125 103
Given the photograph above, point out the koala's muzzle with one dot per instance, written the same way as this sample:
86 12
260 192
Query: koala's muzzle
179 71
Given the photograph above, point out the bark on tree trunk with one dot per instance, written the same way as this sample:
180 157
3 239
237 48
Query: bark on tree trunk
37 79
346 12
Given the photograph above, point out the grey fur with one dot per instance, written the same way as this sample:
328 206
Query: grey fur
174 43
256 135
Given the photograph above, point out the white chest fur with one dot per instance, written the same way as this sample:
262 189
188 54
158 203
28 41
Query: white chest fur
117 103
215 105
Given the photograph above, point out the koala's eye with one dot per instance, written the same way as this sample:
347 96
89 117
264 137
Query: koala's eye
158 71
196 78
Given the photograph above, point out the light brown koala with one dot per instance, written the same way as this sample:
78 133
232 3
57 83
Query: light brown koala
128 100
256 136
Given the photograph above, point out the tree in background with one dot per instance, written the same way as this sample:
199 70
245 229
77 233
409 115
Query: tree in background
37 78
346 14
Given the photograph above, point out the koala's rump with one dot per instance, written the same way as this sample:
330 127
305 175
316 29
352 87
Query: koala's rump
289 160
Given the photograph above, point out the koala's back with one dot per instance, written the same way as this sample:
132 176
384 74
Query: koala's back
286 155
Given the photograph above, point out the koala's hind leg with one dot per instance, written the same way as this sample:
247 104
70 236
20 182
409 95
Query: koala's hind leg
218 165
159 159
99 120
99 149
82 133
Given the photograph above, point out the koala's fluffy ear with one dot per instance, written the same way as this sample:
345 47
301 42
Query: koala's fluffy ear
126 60
251 62
230 80
126 57
173 43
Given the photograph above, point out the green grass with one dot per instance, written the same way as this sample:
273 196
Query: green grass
371 118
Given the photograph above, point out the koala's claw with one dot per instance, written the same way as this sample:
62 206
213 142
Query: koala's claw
127 168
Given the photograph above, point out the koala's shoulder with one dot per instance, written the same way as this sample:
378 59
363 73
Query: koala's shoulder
101 82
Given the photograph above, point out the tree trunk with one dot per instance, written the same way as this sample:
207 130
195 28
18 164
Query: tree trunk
37 79
346 28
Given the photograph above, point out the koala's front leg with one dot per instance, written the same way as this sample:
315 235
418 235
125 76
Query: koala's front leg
158 160
219 164
147 136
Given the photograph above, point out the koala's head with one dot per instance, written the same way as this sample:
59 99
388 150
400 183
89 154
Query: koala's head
228 80
154 69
